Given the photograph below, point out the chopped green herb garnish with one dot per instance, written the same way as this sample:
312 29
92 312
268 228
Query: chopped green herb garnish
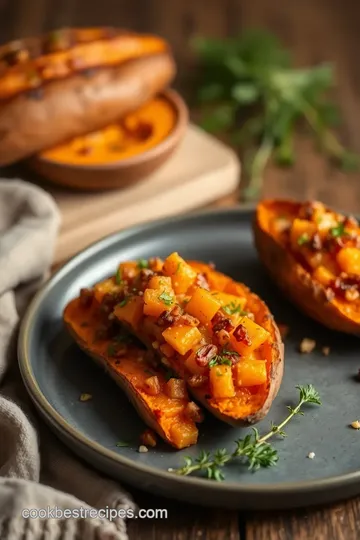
118 277
149 372
122 444
233 308
142 263
123 302
303 239
178 268
219 360
319 219
338 230
166 298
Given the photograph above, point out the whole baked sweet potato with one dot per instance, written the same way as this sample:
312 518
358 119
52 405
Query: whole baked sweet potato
213 333
74 81
313 255
144 383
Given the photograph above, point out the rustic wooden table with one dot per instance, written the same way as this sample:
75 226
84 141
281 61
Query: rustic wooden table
315 30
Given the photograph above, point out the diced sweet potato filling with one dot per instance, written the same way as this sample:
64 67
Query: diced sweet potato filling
324 242
209 330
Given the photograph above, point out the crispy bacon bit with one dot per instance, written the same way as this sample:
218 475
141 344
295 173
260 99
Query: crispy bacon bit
220 322
188 320
193 412
284 330
152 385
148 438
241 334
223 337
86 296
195 381
351 295
169 317
176 389
307 345
347 285
201 281
109 301
205 354
158 413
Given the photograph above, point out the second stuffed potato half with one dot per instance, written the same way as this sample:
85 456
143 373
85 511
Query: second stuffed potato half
216 340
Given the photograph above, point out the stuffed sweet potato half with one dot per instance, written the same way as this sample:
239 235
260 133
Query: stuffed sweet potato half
75 81
212 332
313 254
162 402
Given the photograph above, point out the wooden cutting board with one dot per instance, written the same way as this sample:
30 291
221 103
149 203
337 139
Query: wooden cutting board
201 171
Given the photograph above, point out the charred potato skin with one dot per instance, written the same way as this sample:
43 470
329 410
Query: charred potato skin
79 104
134 397
295 282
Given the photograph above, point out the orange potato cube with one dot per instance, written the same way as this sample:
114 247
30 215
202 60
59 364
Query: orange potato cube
104 287
249 372
183 433
181 273
203 305
301 231
128 270
182 338
192 365
221 382
348 259
160 282
155 302
130 311
323 275
257 336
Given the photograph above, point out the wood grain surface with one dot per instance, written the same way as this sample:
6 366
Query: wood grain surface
315 30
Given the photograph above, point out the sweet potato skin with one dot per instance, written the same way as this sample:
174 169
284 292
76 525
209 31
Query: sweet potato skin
293 279
126 384
79 104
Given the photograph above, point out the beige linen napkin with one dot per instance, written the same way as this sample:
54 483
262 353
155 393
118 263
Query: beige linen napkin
52 478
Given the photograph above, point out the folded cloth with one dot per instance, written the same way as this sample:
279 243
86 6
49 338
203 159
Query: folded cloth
52 478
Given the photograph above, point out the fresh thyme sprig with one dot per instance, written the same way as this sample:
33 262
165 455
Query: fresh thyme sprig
255 450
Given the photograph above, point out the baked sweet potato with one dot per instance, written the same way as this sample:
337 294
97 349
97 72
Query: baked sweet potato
72 82
214 333
313 255
143 381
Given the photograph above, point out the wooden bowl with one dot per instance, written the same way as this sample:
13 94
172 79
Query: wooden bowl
116 174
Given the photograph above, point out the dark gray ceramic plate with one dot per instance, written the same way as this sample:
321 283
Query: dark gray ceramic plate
56 372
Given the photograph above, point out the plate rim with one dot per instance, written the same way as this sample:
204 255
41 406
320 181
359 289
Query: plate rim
59 422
